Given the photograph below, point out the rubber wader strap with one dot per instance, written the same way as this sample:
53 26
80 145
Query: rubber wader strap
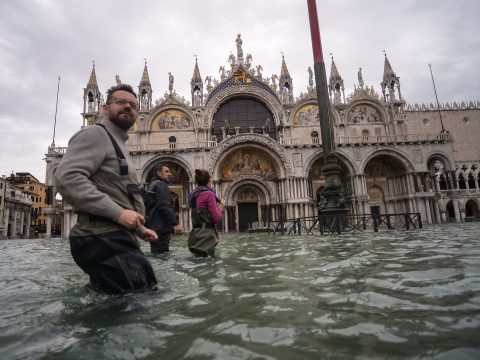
121 158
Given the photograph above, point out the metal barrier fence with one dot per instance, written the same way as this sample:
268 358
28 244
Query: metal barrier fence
331 224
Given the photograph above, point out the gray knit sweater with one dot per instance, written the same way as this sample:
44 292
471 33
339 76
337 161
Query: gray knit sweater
88 177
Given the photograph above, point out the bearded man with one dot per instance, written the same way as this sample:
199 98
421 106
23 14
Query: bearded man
97 177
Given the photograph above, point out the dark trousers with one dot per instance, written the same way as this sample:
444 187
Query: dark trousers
161 245
114 261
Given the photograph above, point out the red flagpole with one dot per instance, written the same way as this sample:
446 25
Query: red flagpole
315 31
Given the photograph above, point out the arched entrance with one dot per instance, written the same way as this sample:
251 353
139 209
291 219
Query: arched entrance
450 212
247 198
249 204
385 176
316 179
472 211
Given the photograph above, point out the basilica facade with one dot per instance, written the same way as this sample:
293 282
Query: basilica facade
263 146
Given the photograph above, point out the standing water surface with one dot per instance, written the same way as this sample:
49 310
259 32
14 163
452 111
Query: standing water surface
386 295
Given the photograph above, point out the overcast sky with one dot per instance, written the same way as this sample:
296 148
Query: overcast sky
43 39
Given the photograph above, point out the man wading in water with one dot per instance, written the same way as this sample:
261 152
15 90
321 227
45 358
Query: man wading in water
97 177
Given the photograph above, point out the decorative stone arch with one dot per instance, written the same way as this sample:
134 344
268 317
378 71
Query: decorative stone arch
316 178
472 209
438 156
261 142
251 180
341 156
291 114
397 154
271 102
171 106
148 166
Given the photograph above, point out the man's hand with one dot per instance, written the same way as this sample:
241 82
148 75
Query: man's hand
130 219
146 233
177 230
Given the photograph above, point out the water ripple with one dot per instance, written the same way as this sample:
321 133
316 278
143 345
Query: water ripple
412 295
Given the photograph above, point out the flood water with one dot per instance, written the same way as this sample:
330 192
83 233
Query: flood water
388 295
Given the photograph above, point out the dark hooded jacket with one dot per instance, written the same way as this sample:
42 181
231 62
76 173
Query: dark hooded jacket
161 215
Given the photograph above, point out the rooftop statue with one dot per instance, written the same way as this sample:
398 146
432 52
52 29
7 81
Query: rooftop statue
170 82
239 47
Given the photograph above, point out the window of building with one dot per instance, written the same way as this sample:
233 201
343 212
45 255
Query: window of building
242 113
172 140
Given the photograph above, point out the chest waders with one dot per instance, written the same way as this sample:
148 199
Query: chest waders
106 251
203 238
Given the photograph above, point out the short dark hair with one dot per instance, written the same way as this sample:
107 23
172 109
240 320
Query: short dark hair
201 177
159 167
124 87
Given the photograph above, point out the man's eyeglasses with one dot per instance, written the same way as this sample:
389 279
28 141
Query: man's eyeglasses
123 102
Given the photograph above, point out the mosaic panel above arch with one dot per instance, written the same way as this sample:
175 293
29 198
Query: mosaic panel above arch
284 159
364 114
306 115
171 119
248 161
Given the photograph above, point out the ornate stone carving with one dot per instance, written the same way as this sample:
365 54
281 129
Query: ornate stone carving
250 138
249 179
297 160
241 76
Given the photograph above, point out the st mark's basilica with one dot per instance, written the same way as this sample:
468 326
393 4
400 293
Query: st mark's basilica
263 146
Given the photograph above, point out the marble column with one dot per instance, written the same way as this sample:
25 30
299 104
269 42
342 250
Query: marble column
456 210
6 219
437 211
428 212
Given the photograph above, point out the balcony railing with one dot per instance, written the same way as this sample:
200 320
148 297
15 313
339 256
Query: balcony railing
375 139
172 146
57 150
306 141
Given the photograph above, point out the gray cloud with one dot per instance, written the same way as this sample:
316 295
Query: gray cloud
43 39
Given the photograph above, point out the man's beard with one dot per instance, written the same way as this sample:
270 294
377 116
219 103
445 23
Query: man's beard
122 122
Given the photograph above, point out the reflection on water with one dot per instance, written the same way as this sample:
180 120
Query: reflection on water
380 295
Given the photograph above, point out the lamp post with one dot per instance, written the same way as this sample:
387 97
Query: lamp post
332 209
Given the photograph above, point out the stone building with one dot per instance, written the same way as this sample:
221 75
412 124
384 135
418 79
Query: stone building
3 194
16 211
263 146
36 190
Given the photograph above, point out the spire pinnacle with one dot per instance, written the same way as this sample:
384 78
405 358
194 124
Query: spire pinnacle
196 78
284 72
92 82
387 68
334 74
145 78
